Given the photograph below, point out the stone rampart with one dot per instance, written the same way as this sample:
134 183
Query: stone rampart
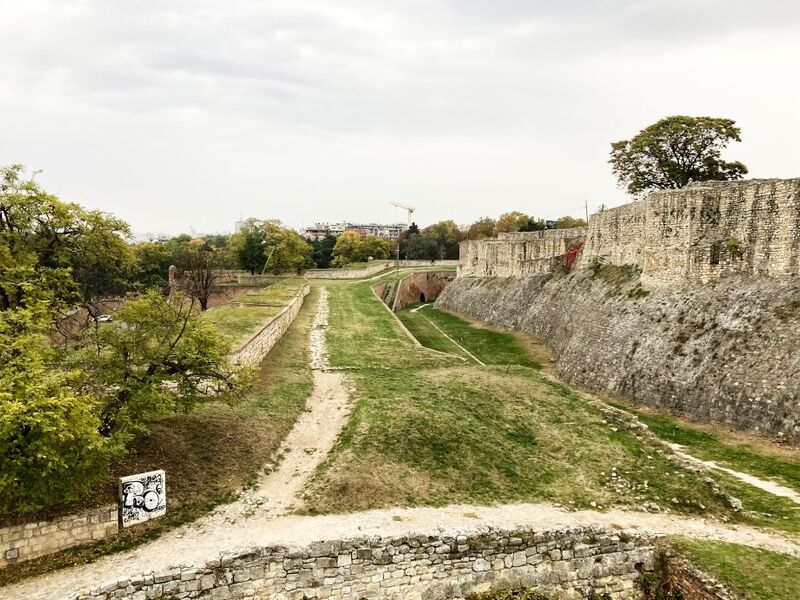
27 541
421 287
725 351
704 231
566 563
252 352
518 254
699 233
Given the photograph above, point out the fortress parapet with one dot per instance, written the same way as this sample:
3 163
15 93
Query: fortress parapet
698 233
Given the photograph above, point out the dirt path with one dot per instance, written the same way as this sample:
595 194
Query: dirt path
298 531
771 487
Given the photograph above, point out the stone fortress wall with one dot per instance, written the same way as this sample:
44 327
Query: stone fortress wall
707 323
567 562
704 231
518 254
699 233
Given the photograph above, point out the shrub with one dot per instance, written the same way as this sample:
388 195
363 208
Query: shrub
50 448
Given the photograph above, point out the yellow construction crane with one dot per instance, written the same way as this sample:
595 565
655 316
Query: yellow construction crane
410 209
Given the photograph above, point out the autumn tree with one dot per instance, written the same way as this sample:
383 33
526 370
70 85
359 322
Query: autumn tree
569 223
352 247
482 229
674 152
518 221
446 235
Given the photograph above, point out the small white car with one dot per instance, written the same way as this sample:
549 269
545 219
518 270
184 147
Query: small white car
105 319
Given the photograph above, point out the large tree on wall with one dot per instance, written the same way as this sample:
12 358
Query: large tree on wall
674 152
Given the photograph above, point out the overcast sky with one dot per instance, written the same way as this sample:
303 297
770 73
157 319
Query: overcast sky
188 113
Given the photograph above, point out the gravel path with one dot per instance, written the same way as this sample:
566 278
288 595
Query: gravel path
297 531
771 487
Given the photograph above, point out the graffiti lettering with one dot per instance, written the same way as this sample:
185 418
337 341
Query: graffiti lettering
142 497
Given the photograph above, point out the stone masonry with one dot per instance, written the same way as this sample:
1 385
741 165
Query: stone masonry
31 540
698 312
252 352
566 563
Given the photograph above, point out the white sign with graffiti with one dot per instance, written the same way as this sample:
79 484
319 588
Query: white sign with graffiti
142 497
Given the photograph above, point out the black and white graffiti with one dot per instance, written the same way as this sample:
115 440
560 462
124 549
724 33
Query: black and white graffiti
142 497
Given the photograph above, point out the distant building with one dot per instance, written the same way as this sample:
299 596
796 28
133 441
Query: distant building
319 230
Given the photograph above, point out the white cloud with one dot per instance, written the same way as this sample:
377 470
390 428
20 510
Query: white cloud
184 113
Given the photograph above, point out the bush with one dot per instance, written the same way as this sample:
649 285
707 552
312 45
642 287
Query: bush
50 448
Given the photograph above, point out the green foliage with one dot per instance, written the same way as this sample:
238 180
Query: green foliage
156 358
482 229
353 247
517 221
421 247
323 251
50 448
674 152
734 247
569 223
250 241
70 253
446 236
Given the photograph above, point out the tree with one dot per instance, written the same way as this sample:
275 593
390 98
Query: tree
156 358
323 250
352 247
482 229
249 243
517 221
286 250
51 450
446 235
199 269
569 223
421 247
78 254
153 260
674 152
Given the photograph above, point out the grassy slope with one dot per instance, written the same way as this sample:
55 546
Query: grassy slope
238 323
428 429
757 574
210 453
710 446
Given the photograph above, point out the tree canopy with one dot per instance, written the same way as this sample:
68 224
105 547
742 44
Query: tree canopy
352 247
674 152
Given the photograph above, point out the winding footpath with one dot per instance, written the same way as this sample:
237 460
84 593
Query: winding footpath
260 517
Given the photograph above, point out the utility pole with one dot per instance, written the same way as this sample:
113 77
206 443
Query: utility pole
586 204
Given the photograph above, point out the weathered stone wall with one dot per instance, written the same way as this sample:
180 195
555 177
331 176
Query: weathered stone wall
568 563
417 286
725 351
518 254
258 346
27 541
704 231
372 269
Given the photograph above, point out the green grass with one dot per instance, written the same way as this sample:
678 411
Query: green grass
428 429
489 346
709 446
756 574
241 320
427 334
